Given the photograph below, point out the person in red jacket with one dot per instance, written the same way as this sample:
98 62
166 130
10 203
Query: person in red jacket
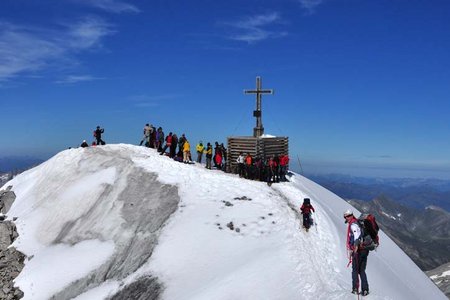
306 209
284 161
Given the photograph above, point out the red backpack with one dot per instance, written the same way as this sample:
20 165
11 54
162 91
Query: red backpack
369 228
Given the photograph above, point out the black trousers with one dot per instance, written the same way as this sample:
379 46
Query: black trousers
100 141
359 264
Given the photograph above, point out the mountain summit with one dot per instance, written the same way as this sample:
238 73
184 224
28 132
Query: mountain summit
123 222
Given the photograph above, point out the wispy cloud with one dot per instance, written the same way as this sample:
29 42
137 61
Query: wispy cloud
88 33
113 6
151 101
254 29
71 79
25 50
310 5
383 156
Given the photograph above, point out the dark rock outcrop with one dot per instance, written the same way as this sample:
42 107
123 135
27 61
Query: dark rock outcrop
11 260
145 288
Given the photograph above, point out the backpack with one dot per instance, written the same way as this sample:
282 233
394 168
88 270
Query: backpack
369 232
95 133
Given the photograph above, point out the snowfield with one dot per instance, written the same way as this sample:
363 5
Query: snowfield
97 220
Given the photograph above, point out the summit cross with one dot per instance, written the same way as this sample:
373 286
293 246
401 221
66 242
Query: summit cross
259 129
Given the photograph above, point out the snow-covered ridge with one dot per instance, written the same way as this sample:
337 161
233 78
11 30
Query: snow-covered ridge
97 220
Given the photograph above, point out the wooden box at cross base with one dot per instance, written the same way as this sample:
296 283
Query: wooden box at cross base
263 147
258 145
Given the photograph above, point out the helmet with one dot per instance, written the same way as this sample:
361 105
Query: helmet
348 212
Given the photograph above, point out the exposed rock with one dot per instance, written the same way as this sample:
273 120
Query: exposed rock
230 225
244 198
145 288
145 218
7 198
440 278
11 262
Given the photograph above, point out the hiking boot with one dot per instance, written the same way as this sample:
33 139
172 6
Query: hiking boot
354 291
365 293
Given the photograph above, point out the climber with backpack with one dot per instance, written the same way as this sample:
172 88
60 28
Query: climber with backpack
98 135
306 210
359 243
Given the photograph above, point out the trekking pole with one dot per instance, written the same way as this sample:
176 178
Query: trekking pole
315 223
299 163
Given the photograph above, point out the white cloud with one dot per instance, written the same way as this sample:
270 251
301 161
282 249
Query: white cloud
25 50
251 29
113 6
310 5
151 101
78 78
88 33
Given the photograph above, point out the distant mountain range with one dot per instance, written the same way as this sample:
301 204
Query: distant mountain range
411 192
423 234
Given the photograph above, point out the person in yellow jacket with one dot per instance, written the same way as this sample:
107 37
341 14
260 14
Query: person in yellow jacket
208 152
200 149
186 151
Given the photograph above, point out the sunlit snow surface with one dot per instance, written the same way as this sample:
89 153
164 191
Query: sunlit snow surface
197 256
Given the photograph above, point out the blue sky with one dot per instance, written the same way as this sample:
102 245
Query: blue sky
361 87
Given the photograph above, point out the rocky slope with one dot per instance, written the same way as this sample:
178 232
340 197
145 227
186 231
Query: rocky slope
441 277
11 260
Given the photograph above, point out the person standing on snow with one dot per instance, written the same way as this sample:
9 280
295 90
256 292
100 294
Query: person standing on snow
146 138
306 209
186 151
358 255
98 135
208 155
173 146
200 149
168 144
241 165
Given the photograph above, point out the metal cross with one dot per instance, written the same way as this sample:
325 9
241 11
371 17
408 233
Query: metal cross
259 129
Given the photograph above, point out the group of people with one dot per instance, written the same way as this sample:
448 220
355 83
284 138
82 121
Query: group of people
179 148
97 133
354 242
273 169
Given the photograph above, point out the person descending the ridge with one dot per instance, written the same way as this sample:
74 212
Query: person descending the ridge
98 135
200 149
306 209
146 138
358 256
